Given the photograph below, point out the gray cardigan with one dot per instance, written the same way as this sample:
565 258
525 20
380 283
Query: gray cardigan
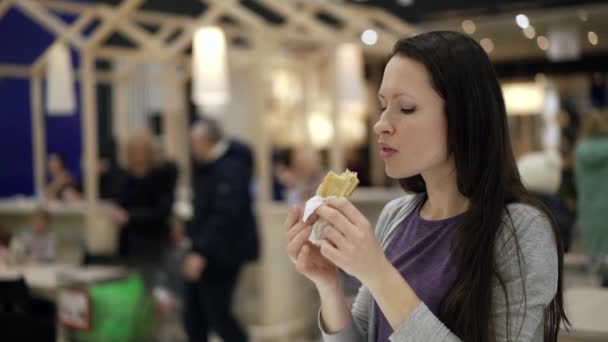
539 267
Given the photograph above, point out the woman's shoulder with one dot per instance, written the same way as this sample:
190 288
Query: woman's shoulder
401 203
397 209
529 228
524 211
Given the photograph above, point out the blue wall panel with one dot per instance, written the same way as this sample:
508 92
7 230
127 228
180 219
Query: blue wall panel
21 42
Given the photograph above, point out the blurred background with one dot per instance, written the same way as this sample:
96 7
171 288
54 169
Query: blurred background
94 92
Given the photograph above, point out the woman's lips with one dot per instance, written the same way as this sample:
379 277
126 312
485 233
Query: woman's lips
386 151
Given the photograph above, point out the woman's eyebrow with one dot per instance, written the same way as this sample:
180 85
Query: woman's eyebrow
380 96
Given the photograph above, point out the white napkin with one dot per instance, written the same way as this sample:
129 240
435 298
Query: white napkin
316 236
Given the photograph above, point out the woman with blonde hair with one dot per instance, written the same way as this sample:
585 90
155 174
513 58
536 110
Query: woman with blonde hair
143 205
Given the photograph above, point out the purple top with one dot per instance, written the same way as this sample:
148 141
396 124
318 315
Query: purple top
421 251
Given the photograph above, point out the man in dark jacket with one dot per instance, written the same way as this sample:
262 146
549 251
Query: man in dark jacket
223 233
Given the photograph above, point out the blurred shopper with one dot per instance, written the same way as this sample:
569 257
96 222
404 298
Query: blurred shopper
5 242
62 185
37 245
143 206
541 174
592 182
472 256
223 233
569 121
302 176
280 162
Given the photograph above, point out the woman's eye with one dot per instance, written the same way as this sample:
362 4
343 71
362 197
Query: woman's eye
408 110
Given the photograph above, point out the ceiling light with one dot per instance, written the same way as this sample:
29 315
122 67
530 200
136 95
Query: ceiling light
530 32
522 21
487 44
369 37
592 36
405 3
468 26
543 42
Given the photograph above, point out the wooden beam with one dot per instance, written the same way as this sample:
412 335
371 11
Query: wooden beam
336 150
165 32
134 32
109 25
400 27
141 16
15 71
38 135
294 16
185 39
117 53
140 36
89 136
356 21
5 6
49 21
237 10
78 25
26 72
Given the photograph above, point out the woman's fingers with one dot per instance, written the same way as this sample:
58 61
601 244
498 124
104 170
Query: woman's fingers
331 253
293 217
294 245
299 225
301 261
335 237
348 209
336 219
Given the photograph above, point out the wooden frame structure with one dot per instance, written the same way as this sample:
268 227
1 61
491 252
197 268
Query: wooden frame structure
302 30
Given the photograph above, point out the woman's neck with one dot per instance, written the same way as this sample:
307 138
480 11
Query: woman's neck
444 198
141 170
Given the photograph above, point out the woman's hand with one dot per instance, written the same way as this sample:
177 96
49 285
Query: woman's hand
307 257
349 240
118 215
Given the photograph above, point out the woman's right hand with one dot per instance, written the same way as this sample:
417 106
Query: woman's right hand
307 257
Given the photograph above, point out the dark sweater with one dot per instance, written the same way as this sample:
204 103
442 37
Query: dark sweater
224 228
149 200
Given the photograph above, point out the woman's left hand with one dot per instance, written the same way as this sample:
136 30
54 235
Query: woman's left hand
349 239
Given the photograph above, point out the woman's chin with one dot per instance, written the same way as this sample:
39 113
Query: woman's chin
395 173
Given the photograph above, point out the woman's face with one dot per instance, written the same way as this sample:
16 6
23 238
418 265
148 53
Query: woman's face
55 165
412 128
140 155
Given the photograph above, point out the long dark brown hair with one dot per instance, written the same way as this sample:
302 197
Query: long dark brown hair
478 140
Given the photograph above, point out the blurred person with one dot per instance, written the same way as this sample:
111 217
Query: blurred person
591 174
62 185
598 90
143 206
569 121
110 179
5 243
541 174
357 162
223 233
302 176
279 165
37 245
470 255
169 286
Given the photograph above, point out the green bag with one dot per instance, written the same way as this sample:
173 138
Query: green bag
122 311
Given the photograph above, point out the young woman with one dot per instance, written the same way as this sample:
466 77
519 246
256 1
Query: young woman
470 256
